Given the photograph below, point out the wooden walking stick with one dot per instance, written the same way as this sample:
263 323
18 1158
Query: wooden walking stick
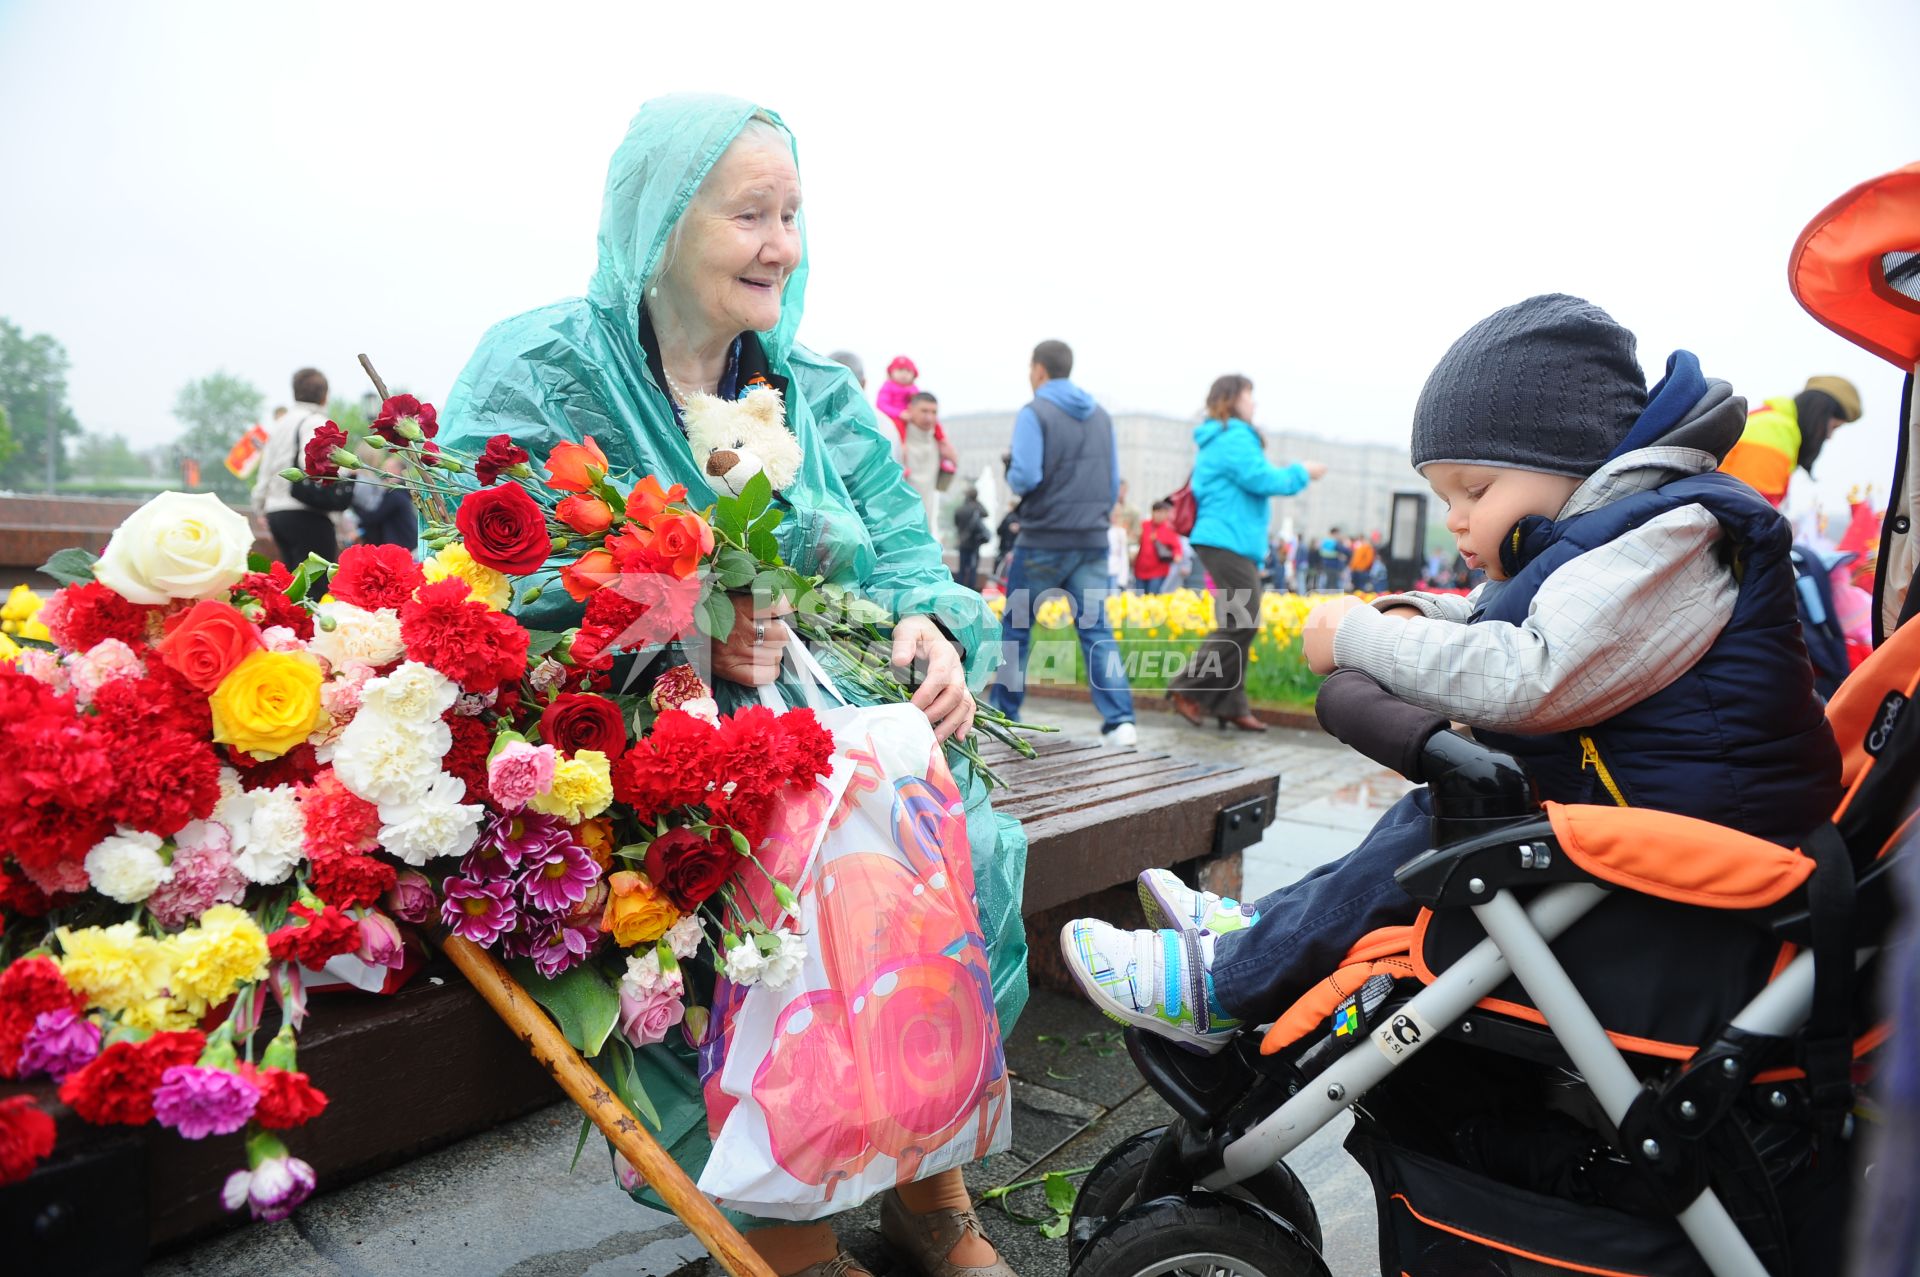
584 1087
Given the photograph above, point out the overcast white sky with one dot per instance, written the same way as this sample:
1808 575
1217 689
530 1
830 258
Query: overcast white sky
1321 199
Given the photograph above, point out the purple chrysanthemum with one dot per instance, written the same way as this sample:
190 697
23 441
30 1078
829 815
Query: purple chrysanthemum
556 878
478 911
199 1102
60 1042
557 946
507 840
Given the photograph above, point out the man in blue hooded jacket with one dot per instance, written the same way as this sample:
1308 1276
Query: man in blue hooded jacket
1065 468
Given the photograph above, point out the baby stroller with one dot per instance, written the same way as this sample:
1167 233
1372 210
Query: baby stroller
1615 1042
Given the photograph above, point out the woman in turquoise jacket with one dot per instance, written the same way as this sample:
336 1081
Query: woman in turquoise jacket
1232 483
699 288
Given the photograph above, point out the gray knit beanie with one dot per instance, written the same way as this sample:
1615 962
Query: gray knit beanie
1550 384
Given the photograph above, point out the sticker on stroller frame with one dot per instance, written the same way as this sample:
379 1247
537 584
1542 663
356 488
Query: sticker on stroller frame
1402 1035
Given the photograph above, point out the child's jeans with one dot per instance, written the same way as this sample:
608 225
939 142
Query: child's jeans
1307 927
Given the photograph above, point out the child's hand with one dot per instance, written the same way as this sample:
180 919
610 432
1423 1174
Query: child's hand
1316 641
1316 470
1401 611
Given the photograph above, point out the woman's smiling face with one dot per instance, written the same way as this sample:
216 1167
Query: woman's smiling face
739 239
1484 502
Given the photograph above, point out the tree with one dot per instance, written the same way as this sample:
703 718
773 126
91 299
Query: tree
216 410
8 444
33 385
99 456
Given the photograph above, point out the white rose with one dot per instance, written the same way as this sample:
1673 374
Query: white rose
745 964
276 836
413 693
177 546
436 824
386 761
783 964
126 866
371 638
684 937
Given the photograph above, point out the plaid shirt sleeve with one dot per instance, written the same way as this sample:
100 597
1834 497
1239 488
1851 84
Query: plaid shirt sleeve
1609 629
1437 607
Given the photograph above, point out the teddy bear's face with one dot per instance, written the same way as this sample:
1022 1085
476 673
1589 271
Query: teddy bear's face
735 440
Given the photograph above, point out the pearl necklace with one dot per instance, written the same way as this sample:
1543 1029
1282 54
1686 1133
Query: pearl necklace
680 396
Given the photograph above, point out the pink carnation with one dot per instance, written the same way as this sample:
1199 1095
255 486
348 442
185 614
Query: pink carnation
38 663
199 1102
281 638
60 1042
340 695
101 664
520 773
203 875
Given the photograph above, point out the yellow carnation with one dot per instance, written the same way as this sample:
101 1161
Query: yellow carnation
162 1015
9 650
211 959
22 605
483 583
269 704
117 968
582 788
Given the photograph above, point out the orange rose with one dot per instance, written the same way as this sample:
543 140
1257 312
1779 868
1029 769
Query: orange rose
587 573
205 642
596 836
648 500
636 912
679 541
584 514
567 465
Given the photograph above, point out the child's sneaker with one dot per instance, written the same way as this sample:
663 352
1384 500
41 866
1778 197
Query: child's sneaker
1155 980
1168 902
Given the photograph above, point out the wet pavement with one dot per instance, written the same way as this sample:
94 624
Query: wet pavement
505 1202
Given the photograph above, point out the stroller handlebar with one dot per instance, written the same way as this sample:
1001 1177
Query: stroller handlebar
1360 713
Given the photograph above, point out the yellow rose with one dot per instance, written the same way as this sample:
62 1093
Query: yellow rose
582 788
483 583
268 704
223 951
636 912
117 967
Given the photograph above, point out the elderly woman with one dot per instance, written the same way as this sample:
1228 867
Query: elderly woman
701 277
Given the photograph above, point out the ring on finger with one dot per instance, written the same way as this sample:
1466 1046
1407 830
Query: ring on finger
759 631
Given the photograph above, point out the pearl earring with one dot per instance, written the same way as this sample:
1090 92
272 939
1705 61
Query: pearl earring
654 291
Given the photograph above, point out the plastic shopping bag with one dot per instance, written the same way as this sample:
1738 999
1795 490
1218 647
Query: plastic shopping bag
882 1063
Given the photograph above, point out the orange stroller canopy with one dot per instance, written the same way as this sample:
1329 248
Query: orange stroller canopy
1841 262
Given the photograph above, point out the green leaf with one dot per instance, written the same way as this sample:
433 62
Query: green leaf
1060 1193
769 521
756 496
582 1001
1057 1228
714 616
627 1082
257 562
762 546
306 574
586 1124
728 519
541 642
734 569
72 566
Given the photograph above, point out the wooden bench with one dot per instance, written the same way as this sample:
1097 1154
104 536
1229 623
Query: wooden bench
431 1064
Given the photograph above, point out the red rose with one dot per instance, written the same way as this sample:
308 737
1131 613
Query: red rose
501 454
117 1085
319 458
26 1136
376 576
402 416
505 529
574 722
328 933
689 868
287 1099
206 641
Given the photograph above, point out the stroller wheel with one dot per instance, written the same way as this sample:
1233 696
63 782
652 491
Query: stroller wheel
1198 1235
1110 1188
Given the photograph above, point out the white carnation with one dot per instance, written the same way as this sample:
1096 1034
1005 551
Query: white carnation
386 761
276 836
235 808
414 694
685 936
784 963
435 824
372 638
745 964
126 866
644 976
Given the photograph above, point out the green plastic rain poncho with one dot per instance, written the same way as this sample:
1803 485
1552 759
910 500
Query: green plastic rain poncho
576 368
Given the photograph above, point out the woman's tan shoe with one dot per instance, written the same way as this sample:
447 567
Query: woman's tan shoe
924 1241
841 1265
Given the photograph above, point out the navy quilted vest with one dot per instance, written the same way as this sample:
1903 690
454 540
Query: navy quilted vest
1740 739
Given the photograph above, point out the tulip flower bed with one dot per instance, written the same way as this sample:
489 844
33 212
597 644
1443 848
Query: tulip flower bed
1158 633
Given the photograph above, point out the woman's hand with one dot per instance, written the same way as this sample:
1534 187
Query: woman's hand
1316 640
1316 470
942 695
752 651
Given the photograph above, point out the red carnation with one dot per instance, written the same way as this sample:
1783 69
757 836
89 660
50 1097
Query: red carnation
56 781
690 868
81 615
574 722
405 408
337 820
327 933
504 529
467 641
347 880
266 592
20 897
376 576
29 987
806 748
26 1137
133 709
671 767
466 758
319 458
298 766
501 454
165 781
287 1099
117 1085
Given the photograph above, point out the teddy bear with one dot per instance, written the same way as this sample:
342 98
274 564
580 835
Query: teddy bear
733 440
